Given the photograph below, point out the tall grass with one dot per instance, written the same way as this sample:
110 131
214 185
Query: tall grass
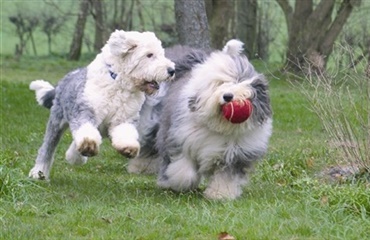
341 99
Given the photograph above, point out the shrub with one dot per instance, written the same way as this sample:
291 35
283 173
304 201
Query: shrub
341 100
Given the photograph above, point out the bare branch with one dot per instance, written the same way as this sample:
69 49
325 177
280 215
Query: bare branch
336 27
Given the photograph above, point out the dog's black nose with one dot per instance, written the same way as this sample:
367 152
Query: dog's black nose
228 97
171 71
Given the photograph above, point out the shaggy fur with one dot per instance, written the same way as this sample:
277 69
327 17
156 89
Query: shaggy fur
191 137
102 99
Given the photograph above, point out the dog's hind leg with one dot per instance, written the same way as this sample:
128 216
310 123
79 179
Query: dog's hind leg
180 175
147 162
225 184
45 157
73 156
145 165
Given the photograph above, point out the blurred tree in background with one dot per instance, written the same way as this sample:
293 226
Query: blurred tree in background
76 44
312 31
219 15
296 33
25 26
191 23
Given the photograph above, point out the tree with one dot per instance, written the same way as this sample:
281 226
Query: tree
25 25
192 23
219 15
76 45
51 25
97 13
246 24
118 16
312 31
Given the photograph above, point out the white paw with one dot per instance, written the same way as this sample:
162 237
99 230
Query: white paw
88 147
87 139
129 149
39 172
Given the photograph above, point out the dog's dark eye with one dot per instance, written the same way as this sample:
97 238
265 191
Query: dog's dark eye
150 55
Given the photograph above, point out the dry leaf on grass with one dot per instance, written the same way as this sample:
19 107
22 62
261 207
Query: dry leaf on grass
107 220
225 236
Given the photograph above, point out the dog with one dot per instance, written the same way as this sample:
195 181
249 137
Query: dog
185 136
102 99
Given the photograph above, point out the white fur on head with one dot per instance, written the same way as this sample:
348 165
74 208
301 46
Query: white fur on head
137 54
233 47
120 44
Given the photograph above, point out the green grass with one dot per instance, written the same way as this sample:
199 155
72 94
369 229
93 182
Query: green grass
100 200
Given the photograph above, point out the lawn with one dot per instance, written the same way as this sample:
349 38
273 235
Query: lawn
286 197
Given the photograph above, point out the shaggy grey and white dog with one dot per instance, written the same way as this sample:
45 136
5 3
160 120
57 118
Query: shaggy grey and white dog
102 99
183 133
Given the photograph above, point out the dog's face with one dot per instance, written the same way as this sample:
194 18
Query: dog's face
140 56
223 78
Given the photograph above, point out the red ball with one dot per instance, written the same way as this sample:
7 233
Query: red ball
237 111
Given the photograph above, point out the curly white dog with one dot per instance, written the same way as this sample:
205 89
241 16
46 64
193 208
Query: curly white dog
102 99
214 122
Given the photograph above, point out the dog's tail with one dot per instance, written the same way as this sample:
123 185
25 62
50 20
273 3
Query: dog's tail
233 47
45 92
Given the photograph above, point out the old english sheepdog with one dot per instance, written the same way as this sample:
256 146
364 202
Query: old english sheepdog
213 123
102 99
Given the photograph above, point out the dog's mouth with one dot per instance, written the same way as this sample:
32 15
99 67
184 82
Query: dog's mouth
153 84
150 87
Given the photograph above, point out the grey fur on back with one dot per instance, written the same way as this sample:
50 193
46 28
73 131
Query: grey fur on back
185 58
68 90
75 79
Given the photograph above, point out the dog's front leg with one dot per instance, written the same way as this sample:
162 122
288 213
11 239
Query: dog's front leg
87 139
125 139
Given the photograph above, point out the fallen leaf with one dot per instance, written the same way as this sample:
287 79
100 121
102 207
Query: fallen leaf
324 200
107 220
225 236
310 162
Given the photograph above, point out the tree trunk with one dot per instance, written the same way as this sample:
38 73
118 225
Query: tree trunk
49 42
129 17
263 38
192 23
140 15
33 42
219 17
76 45
336 27
246 27
312 31
99 25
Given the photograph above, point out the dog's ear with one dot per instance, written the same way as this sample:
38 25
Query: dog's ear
120 44
233 47
192 103
261 101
